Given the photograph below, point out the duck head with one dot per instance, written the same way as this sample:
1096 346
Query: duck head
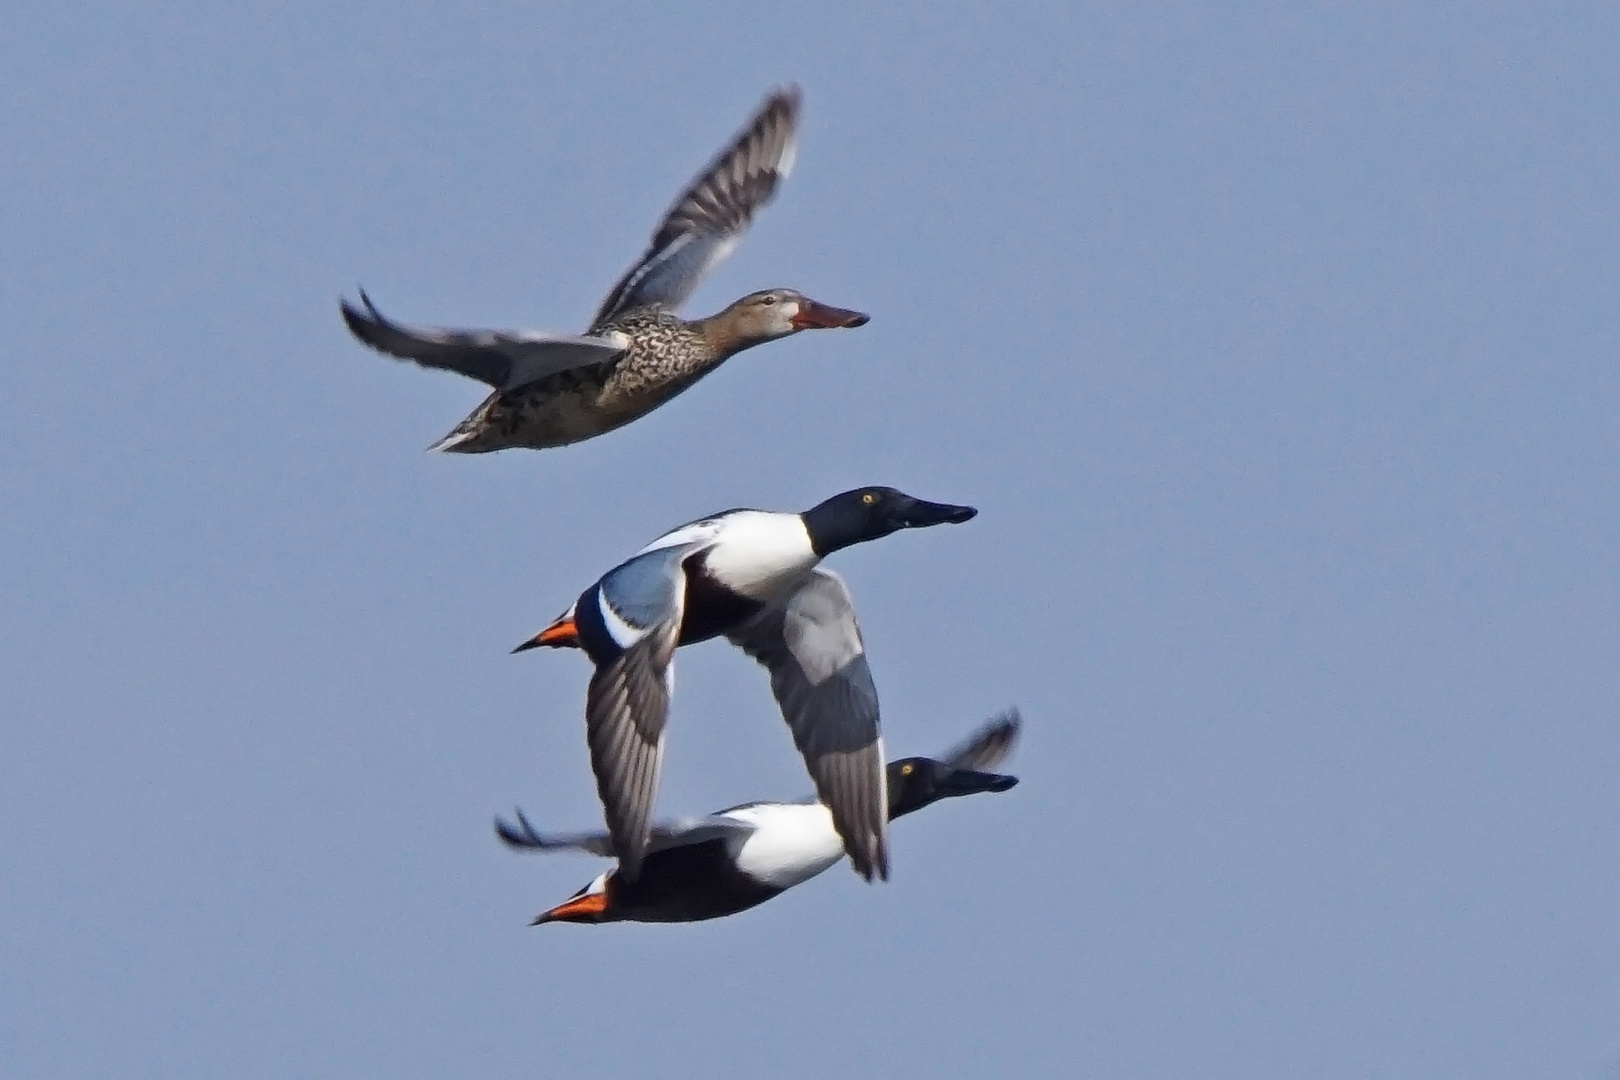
592 904
771 314
916 782
854 517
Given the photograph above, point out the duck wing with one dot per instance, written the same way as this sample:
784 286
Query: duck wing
711 215
504 359
812 647
678 833
631 635
989 746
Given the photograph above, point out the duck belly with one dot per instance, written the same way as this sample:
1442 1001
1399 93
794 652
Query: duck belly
555 412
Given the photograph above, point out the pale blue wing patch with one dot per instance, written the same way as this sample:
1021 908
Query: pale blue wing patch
644 591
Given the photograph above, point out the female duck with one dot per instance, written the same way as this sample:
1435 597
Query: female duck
556 389
738 858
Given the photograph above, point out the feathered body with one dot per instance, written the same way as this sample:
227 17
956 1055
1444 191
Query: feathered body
735 859
555 389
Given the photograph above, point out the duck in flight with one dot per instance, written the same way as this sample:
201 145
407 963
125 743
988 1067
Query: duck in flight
555 389
732 860
752 576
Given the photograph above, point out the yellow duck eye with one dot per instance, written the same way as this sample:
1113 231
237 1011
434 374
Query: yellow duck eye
868 499
905 770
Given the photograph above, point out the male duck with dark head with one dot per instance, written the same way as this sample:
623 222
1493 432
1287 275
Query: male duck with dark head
556 389
752 576
735 859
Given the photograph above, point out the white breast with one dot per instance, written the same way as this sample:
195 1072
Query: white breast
791 842
761 555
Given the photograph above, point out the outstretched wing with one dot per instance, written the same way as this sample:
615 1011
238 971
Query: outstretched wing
710 216
678 833
523 835
812 648
630 624
503 359
989 746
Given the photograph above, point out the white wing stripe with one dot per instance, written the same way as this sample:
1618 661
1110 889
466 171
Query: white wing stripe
620 631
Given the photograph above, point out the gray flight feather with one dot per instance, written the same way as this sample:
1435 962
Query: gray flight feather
503 359
712 214
812 648
626 706
989 746
668 834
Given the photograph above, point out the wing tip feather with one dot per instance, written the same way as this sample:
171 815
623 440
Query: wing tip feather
521 835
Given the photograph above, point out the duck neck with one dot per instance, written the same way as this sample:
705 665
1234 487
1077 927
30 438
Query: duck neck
833 525
723 337
903 799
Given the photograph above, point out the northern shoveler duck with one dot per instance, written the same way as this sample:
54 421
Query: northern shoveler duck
556 389
735 859
750 575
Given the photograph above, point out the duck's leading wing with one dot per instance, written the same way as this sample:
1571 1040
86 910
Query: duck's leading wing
710 216
812 648
678 833
504 359
987 747
524 835
639 605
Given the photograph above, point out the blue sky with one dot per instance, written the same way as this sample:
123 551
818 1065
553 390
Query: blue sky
1275 344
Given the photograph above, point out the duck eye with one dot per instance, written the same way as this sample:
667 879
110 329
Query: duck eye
867 500
905 770
767 300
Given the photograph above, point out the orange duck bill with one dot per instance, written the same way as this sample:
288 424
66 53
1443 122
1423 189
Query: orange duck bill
561 634
816 316
588 908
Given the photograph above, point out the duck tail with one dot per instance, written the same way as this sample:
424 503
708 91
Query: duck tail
480 432
468 437
457 442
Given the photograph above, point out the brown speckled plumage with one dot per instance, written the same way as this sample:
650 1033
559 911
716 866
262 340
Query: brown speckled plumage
666 355
555 389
